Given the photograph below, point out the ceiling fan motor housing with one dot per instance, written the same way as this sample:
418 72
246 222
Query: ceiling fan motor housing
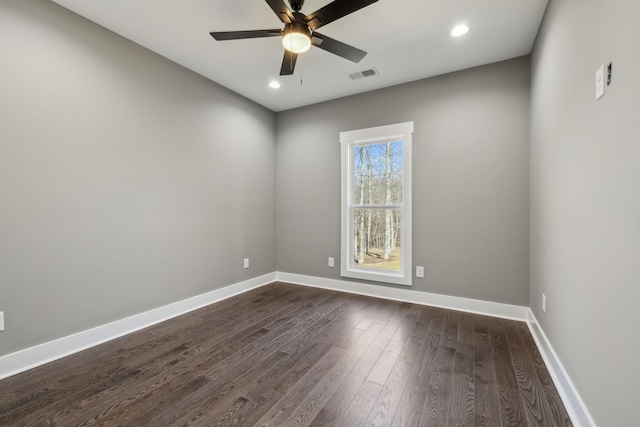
296 27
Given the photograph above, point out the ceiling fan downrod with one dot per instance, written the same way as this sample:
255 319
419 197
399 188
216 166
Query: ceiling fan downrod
296 5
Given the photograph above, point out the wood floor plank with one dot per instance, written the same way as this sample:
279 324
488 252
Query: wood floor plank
140 409
328 337
436 407
412 402
451 319
217 388
365 398
232 412
263 319
350 338
465 329
384 408
462 408
551 395
15 410
226 379
195 418
388 311
336 407
340 400
297 393
462 413
312 402
370 318
511 410
301 355
286 355
391 354
528 384
487 412
416 337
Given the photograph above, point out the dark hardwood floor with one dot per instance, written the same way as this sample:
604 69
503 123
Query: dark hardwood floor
286 355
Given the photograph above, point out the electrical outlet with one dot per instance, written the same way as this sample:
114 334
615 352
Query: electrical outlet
1 321
544 303
246 263
419 271
332 262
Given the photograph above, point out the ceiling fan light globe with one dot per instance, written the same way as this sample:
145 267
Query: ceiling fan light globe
296 42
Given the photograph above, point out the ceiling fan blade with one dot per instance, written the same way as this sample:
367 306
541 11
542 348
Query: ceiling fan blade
288 63
337 48
281 9
237 35
334 11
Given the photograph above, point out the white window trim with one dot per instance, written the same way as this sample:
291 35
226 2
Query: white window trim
403 131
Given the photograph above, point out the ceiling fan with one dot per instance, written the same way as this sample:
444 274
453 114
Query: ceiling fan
299 32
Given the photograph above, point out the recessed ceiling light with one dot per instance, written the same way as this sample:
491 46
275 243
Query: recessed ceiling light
274 84
459 30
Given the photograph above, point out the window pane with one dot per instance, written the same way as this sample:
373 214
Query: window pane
376 237
377 173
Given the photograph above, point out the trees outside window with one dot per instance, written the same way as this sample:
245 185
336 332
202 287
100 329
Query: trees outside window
376 203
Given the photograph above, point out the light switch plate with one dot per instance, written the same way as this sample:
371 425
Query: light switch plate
600 82
1 321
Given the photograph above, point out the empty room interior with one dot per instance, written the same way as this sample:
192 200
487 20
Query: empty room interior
429 218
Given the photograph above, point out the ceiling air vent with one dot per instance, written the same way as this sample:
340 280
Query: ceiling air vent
366 73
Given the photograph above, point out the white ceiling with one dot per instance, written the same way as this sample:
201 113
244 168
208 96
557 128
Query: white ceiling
406 40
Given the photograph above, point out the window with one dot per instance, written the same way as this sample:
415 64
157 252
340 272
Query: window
376 204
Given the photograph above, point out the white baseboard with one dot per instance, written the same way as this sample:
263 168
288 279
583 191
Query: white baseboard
570 397
495 309
32 357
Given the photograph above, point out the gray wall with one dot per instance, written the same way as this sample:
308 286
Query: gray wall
585 199
126 181
470 179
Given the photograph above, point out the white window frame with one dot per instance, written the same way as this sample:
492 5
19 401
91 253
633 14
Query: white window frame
400 131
